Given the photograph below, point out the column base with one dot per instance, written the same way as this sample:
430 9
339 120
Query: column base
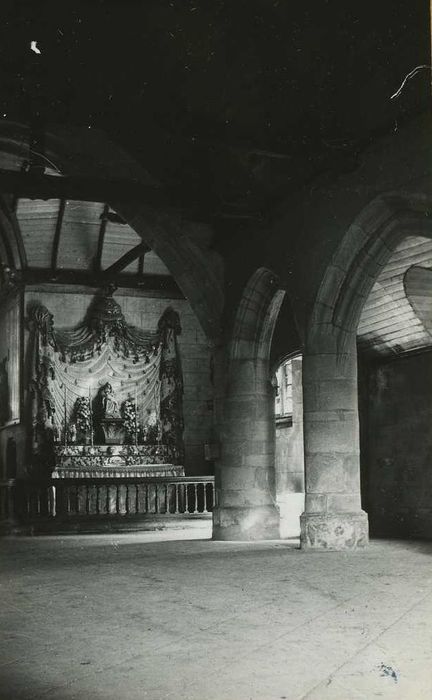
334 531
246 523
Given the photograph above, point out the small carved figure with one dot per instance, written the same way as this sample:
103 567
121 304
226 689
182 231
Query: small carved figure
110 407
72 433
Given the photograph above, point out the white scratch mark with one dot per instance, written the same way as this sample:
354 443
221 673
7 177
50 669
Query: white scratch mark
410 75
33 47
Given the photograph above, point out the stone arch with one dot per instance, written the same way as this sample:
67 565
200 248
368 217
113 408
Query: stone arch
256 316
284 357
333 518
245 484
90 154
359 258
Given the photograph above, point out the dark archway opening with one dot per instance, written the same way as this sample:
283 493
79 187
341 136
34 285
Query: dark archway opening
395 391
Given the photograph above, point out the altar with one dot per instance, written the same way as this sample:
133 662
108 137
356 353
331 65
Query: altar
118 461
106 397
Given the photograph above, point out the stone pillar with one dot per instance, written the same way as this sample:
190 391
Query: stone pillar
245 481
333 518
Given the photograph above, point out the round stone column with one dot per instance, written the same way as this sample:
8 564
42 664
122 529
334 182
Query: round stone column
245 475
333 518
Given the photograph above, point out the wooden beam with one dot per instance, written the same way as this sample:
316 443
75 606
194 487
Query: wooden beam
141 264
85 278
32 185
39 186
104 221
57 234
9 224
127 259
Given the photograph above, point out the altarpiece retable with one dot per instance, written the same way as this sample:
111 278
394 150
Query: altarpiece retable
105 396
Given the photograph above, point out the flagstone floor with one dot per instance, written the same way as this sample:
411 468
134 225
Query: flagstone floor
131 617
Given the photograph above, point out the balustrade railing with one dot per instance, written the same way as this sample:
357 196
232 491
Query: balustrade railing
62 499
7 500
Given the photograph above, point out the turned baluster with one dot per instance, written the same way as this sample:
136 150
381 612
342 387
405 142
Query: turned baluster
196 498
52 501
66 499
38 502
205 498
209 497
176 498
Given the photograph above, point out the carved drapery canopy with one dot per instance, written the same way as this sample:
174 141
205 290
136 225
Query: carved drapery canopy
103 320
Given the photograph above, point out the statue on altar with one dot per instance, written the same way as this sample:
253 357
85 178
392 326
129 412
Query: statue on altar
108 417
109 405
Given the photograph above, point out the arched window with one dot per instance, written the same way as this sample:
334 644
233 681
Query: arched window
284 391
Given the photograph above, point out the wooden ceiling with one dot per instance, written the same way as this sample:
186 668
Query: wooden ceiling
394 318
85 236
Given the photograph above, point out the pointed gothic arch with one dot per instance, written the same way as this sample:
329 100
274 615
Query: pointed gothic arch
333 518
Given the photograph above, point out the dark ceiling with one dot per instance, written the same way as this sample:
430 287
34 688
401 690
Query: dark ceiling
230 104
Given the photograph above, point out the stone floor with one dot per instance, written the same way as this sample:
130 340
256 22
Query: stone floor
127 617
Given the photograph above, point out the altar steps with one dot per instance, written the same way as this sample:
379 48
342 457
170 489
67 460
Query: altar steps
200 525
